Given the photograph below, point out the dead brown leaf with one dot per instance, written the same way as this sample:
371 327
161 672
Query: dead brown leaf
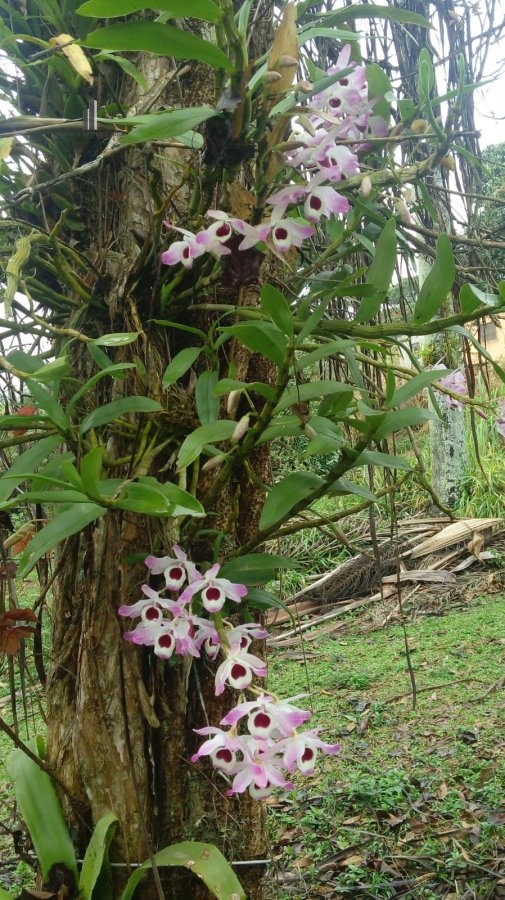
11 629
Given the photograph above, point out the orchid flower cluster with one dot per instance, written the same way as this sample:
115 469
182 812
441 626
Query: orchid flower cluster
342 112
259 757
454 381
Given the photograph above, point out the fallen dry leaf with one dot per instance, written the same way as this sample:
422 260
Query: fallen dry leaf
11 629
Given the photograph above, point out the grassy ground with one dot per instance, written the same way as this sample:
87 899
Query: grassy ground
414 805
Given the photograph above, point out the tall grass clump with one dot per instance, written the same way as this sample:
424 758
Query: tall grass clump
483 490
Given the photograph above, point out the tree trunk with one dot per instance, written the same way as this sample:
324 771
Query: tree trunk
120 721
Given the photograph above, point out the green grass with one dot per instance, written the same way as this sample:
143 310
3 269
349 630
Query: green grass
414 792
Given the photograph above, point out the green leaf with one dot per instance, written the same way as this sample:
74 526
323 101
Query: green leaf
91 469
205 860
207 402
96 856
226 385
437 283
259 599
36 368
46 400
167 323
70 472
41 810
426 76
70 521
180 365
98 356
376 458
4 895
144 500
29 461
147 496
380 272
320 31
336 404
52 371
116 339
471 298
323 425
192 446
427 200
161 126
401 418
24 362
281 427
372 11
111 411
182 503
56 496
332 348
414 386
390 385
379 89
277 308
155 37
103 9
425 84
322 445
304 393
255 568
344 486
285 495
117 369
242 18
126 65
312 321
261 337
26 423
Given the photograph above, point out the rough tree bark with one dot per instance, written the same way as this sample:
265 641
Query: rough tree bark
120 721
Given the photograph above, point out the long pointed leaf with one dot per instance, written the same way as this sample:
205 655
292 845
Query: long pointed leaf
41 811
285 495
154 37
103 9
66 523
192 446
29 461
96 856
414 386
105 414
205 860
437 283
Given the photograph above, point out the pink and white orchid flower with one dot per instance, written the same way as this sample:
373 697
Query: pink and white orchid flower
260 770
287 233
152 601
237 670
268 717
324 201
215 591
185 251
300 751
288 195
